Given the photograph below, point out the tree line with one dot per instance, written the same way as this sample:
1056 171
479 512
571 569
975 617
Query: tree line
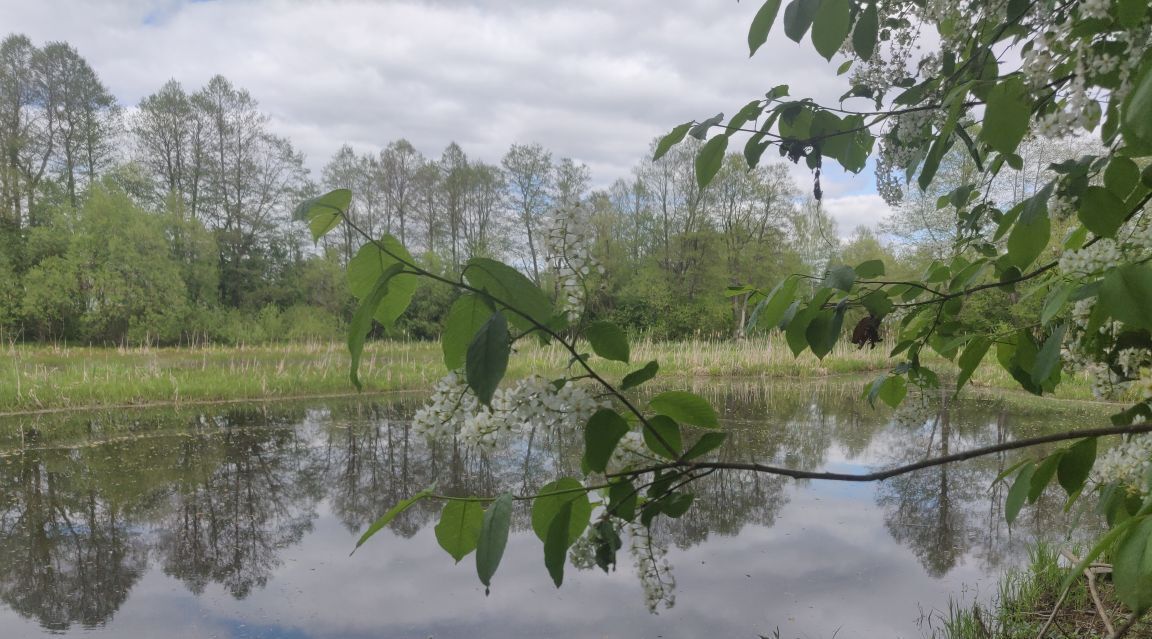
170 222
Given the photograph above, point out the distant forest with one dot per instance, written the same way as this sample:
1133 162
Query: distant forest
171 222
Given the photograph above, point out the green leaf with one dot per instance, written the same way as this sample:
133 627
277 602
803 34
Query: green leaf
487 358
676 504
365 269
493 537
772 308
466 317
893 390
709 160
761 25
672 139
1048 359
556 543
459 529
1028 240
1006 116
507 286
864 34
1121 176
707 443
700 129
796 332
622 499
841 277
869 269
685 407
400 507
1131 12
601 434
1132 568
823 331
1009 470
931 164
1043 474
1101 211
1076 464
608 340
662 429
361 323
1056 301
1126 295
798 16
639 376
1135 123
324 213
551 498
878 303
1018 493
830 26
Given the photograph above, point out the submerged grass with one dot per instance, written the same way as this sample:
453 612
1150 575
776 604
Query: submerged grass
61 376
1024 601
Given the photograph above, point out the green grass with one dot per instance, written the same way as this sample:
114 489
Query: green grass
1024 601
52 377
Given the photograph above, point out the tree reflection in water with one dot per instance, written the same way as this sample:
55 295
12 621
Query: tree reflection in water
217 498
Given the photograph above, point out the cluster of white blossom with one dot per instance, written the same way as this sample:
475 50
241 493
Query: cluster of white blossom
1089 260
1111 373
1080 351
530 403
582 554
1084 60
1061 207
651 562
1094 9
568 240
1127 463
629 451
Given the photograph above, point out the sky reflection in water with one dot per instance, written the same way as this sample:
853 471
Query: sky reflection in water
237 522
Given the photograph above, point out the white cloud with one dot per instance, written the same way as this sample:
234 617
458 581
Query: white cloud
595 80
851 211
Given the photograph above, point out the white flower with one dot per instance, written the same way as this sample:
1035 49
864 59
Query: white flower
515 411
1127 463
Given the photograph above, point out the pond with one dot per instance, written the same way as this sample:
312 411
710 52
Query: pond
236 521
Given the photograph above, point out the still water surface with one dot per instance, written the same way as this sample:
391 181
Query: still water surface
236 521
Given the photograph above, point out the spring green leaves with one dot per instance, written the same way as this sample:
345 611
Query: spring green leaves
560 513
685 407
761 25
608 341
1136 124
831 21
377 276
1126 293
487 358
1007 116
458 532
493 537
324 213
1070 466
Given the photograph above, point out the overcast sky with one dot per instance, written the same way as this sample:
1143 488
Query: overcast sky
595 80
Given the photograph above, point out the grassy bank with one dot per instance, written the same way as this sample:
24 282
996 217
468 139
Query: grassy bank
1024 604
49 377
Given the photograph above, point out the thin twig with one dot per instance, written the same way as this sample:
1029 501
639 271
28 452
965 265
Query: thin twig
1090 573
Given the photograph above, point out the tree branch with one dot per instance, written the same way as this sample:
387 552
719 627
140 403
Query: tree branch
881 475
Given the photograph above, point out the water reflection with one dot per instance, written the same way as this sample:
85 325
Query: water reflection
96 502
